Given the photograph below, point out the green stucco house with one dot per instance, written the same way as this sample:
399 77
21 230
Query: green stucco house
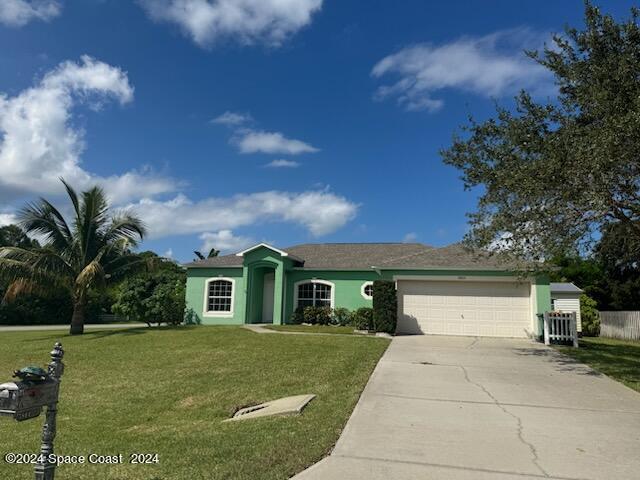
443 290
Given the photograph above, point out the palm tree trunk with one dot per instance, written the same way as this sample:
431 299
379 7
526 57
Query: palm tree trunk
77 319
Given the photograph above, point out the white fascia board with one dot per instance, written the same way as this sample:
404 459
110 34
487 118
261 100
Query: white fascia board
462 278
250 249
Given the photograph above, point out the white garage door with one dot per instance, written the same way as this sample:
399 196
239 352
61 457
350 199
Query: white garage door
489 309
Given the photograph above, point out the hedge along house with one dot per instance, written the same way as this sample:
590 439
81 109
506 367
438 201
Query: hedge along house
440 290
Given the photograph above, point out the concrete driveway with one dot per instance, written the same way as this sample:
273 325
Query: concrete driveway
464 408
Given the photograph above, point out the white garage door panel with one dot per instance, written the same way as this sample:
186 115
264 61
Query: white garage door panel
492 309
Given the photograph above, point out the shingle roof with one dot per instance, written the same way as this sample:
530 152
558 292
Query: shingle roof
451 256
352 255
564 288
223 261
382 255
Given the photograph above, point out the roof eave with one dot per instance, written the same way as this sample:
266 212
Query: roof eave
210 266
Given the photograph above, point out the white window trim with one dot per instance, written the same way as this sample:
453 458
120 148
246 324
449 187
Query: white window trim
205 312
313 280
364 295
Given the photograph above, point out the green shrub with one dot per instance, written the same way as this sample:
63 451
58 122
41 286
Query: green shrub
34 309
152 298
297 317
385 306
191 317
341 316
590 316
363 318
317 315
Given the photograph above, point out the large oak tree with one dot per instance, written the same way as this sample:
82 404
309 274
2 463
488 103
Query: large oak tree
554 174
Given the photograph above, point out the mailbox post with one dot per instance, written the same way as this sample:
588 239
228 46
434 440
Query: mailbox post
25 399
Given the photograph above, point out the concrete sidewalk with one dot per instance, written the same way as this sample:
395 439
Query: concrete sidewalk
92 326
463 408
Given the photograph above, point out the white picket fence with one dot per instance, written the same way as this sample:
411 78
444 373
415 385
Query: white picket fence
560 327
622 325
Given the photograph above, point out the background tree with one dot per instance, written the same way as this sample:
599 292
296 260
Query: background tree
554 174
14 236
618 254
77 256
156 297
610 274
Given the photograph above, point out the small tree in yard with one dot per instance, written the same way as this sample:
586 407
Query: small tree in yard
152 298
589 316
385 306
554 174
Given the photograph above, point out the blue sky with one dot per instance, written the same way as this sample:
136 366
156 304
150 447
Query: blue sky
349 101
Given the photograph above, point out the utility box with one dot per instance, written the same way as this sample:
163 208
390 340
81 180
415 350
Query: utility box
24 400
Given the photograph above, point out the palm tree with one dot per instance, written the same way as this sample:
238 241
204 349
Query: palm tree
79 256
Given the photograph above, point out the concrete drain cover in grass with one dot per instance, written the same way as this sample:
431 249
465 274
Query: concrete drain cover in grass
281 406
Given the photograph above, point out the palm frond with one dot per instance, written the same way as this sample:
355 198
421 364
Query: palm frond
20 286
91 276
73 196
45 220
91 220
125 226
42 266
123 265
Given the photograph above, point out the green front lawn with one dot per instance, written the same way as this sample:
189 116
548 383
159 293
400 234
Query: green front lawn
167 390
312 329
619 359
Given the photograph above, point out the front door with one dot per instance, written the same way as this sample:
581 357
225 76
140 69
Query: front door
267 298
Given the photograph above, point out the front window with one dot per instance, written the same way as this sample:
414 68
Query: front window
367 290
220 296
314 294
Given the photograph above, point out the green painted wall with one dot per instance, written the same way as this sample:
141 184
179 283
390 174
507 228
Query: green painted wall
543 298
257 263
249 286
347 287
196 278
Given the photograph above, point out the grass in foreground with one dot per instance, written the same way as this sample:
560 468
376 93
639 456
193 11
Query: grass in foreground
312 329
619 359
167 391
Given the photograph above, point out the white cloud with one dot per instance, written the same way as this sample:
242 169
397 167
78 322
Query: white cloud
254 141
321 212
7 219
17 13
282 163
168 253
232 119
410 237
225 241
39 143
245 21
493 65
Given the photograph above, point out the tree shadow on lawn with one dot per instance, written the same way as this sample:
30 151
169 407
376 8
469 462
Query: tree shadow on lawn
97 334
619 360
91 334
561 361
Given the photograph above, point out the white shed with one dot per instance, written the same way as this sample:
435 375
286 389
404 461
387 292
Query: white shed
565 297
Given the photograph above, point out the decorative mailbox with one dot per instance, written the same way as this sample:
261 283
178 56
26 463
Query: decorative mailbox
24 400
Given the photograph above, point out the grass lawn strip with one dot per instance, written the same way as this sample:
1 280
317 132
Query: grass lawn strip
619 359
312 329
